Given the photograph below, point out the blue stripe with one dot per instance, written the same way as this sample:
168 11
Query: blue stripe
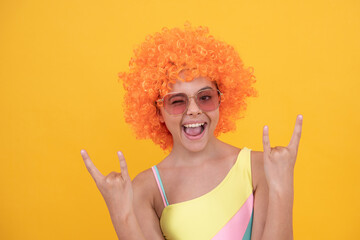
161 185
247 235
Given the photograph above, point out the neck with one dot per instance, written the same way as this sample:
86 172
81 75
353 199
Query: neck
180 155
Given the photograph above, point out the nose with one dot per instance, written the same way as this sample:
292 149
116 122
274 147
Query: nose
193 108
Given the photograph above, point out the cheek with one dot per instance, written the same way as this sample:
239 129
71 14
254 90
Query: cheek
169 126
214 117
171 123
216 122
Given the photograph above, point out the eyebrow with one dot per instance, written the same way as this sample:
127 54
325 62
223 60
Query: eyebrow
175 95
204 88
179 94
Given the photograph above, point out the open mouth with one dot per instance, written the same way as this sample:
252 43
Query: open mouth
195 130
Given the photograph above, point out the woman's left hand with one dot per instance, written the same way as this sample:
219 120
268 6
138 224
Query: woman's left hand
279 162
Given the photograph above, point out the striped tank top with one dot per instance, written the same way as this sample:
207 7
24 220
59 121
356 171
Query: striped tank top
224 213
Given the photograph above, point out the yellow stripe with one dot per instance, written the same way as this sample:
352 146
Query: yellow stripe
202 217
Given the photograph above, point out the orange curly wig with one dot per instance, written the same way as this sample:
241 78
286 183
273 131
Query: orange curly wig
157 63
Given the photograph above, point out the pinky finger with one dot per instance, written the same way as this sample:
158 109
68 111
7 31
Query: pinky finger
123 166
266 140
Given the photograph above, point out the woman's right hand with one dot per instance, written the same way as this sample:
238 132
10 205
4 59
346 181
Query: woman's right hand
115 188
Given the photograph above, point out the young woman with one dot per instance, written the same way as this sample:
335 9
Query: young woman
183 89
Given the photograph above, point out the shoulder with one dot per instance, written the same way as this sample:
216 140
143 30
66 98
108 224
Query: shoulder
257 168
257 164
144 180
143 186
143 176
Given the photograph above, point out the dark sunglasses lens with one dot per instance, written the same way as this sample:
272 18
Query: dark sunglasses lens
208 100
175 103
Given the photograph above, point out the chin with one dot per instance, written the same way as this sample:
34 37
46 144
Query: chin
196 143
195 147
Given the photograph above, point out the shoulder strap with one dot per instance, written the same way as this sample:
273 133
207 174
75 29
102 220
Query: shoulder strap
245 165
160 185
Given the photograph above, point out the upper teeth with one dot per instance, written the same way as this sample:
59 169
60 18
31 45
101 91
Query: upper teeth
194 125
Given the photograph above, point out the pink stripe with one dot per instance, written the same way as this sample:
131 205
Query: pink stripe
157 181
235 228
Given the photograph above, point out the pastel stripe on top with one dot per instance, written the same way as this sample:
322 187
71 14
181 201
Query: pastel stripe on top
224 213
160 185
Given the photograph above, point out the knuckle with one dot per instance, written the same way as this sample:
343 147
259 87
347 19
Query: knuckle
298 134
108 179
118 178
281 150
113 178
276 153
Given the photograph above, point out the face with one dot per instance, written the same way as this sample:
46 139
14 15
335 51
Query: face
193 129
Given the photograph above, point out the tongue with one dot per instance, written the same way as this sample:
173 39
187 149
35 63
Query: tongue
193 131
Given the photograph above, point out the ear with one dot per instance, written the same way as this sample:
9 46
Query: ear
158 113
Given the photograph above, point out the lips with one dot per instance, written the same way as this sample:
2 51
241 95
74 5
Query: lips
194 131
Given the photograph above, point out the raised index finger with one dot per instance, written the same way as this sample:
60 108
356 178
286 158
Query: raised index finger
94 172
295 138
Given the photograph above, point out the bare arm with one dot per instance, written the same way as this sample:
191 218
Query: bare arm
275 192
272 212
142 222
279 224
144 205
126 228
261 195
116 189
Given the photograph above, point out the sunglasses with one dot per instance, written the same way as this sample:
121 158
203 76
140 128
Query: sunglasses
177 103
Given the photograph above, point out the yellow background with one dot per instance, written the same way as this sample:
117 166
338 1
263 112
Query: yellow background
59 93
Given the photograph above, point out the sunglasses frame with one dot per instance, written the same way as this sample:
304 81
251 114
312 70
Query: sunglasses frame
160 102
